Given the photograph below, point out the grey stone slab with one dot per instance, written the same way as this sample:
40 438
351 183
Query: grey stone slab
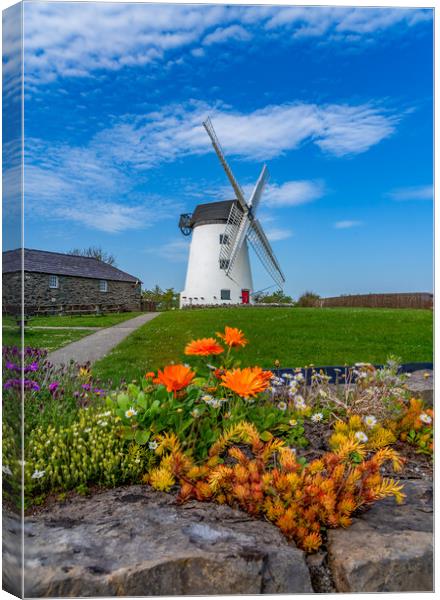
95 346
134 541
389 548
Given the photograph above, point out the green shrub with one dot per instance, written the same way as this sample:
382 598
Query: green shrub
308 299
90 451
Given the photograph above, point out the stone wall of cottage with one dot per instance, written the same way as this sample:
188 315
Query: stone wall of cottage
71 291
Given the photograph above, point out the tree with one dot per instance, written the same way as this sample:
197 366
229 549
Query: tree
164 299
95 252
278 297
308 299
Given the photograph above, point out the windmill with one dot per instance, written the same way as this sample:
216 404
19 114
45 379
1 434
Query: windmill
218 267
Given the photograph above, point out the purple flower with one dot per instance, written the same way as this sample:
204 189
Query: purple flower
98 391
33 366
86 386
11 366
53 386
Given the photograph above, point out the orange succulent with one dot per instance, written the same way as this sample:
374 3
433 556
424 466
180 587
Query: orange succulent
233 337
175 377
204 347
247 382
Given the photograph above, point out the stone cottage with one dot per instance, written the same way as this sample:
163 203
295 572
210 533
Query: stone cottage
56 282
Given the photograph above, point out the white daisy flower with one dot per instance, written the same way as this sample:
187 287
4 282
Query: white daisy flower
152 445
282 405
299 377
323 393
130 413
195 413
102 423
299 402
38 474
425 418
370 421
361 437
317 417
6 470
207 398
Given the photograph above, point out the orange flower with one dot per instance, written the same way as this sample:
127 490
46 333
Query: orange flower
175 377
247 382
204 347
233 337
150 375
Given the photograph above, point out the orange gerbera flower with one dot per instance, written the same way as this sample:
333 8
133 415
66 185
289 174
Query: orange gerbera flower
247 382
204 347
175 377
150 375
233 337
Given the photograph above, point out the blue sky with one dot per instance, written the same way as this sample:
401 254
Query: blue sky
336 101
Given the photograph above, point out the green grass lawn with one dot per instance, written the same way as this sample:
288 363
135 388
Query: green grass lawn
296 337
76 320
51 339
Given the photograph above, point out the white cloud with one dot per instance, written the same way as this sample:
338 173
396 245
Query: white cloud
347 224
75 39
342 23
84 185
421 192
225 34
172 251
176 130
276 234
293 193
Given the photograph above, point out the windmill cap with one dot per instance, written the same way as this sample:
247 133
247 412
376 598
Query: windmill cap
212 212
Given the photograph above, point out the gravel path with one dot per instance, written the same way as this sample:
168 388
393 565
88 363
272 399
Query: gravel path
93 347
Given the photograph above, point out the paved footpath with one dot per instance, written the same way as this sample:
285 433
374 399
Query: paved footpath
93 347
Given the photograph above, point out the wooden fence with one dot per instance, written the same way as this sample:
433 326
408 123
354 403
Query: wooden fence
406 300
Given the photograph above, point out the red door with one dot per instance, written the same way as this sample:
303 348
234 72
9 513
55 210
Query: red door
245 296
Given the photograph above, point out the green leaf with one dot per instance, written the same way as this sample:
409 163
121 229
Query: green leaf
142 436
128 433
266 436
141 400
123 400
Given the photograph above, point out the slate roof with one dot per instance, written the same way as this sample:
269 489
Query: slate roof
212 212
56 263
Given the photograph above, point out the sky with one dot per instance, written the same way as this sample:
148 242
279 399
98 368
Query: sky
337 102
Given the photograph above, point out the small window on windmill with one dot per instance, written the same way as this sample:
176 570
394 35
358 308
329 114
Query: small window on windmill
224 239
103 287
224 263
225 294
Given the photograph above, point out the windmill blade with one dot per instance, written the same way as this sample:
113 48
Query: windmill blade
221 156
255 198
259 242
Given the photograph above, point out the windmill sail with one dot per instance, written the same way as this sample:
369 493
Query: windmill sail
258 190
241 224
218 149
259 242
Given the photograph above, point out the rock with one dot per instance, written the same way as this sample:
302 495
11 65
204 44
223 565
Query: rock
137 542
421 384
389 548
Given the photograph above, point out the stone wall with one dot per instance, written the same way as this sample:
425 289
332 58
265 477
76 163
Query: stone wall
70 291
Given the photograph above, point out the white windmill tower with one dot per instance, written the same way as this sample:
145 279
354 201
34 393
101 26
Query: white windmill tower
219 270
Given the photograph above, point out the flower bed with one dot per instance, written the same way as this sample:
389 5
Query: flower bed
305 454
